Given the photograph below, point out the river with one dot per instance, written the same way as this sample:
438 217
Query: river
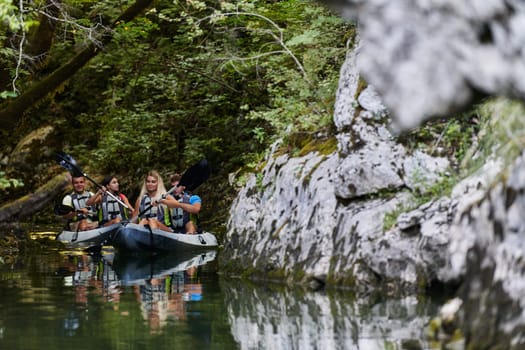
56 298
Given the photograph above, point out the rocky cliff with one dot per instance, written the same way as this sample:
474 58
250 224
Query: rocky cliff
320 218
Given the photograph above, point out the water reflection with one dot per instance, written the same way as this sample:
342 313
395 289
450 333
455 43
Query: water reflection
109 301
90 275
73 299
163 285
268 318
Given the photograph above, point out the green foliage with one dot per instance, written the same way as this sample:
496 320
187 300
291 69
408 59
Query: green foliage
10 16
193 79
7 94
451 137
494 128
6 183
439 189
390 218
297 63
131 32
502 133
234 78
15 21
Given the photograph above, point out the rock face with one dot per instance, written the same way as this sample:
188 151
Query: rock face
433 57
320 217
488 253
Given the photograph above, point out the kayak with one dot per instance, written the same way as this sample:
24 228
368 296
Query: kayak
89 238
138 269
138 238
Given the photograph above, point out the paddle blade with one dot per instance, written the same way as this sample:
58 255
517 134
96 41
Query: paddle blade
61 209
196 175
69 163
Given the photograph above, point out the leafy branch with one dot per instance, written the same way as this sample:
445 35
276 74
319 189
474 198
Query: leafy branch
278 37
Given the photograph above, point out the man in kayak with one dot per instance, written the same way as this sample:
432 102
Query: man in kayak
82 216
185 208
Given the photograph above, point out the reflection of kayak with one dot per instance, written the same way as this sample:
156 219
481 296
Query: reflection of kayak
137 269
137 238
97 236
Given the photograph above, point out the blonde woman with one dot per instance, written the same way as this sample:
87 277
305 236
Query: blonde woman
152 213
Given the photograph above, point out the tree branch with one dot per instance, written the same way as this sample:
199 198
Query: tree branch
278 38
27 206
13 110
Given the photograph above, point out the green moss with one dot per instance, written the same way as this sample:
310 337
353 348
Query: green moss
308 176
299 275
439 189
345 279
259 182
278 230
422 281
300 144
361 85
248 272
390 218
323 146
278 274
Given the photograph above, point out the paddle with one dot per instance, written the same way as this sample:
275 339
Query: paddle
68 162
61 209
191 179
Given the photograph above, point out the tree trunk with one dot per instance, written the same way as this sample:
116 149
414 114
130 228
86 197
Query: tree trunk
31 204
40 39
13 111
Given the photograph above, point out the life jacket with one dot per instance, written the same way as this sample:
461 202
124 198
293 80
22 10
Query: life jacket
153 211
111 209
79 202
180 218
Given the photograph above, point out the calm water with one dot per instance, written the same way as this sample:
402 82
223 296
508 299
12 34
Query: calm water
59 298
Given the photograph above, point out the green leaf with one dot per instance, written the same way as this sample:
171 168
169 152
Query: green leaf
308 37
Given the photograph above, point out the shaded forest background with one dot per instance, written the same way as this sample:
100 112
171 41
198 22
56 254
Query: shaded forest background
126 87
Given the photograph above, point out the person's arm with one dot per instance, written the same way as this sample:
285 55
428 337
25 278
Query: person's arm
68 201
173 203
96 198
137 208
131 209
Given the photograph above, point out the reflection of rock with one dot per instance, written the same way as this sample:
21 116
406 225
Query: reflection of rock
269 319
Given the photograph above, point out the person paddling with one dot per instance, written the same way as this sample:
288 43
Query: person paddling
147 205
82 217
110 210
185 208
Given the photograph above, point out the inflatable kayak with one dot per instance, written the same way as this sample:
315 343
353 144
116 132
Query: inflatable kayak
138 238
94 237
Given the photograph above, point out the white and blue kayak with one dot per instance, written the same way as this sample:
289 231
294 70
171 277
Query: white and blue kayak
138 238
89 238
